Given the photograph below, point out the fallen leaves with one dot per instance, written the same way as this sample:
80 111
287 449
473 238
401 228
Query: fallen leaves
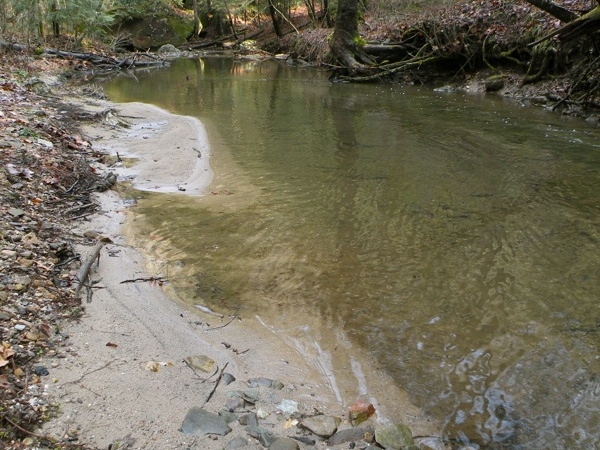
154 366
6 352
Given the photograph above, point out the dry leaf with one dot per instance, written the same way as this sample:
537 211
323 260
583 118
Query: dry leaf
6 352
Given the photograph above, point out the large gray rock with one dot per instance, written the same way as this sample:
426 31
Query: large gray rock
151 32
398 437
324 426
199 422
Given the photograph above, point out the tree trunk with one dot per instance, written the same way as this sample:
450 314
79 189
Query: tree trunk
345 42
197 24
274 19
326 13
562 14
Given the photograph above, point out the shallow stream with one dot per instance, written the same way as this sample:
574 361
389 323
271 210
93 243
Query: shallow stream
452 240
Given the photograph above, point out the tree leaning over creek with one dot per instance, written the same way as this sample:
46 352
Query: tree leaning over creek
346 44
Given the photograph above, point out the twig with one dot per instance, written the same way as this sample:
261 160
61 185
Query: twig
58 265
134 280
77 208
216 384
235 316
92 371
83 215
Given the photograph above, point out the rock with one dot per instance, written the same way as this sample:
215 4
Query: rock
361 411
234 404
593 120
266 382
164 27
324 426
396 436
262 413
22 280
288 406
168 49
284 444
227 378
494 83
347 435
40 371
20 327
198 422
249 395
305 440
7 254
228 416
201 362
45 143
235 443
266 438
249 419
16 212
3 314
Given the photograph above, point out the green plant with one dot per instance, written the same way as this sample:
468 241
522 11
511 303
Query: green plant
28 132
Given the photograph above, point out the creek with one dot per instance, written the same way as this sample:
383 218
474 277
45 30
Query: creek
448 240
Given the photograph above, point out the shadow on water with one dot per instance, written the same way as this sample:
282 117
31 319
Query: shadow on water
451 238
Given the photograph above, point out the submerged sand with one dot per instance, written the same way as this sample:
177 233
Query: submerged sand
107 393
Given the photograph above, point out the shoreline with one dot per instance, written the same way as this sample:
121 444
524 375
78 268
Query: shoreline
106 391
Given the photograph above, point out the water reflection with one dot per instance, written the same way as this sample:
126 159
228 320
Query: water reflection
452 238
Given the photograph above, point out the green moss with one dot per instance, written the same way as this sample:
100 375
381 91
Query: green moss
359 41
182 25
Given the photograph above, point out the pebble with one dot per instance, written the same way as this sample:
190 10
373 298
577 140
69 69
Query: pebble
228 378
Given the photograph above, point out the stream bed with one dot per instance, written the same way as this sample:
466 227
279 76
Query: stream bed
448 240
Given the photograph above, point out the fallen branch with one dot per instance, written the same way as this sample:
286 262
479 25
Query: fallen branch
84 271
216 384
93 58
159 280
395 67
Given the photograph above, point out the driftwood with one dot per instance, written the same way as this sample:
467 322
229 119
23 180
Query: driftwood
390 69
84 272
131 61
159 280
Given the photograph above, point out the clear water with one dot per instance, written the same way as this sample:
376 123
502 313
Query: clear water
452 238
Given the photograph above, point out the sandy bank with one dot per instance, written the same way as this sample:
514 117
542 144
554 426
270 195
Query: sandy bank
102 381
